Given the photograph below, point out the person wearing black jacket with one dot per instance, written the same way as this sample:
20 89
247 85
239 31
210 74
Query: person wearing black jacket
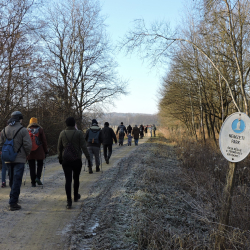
108 136
129 129
93 138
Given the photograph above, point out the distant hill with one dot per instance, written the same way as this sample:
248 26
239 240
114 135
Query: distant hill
115 119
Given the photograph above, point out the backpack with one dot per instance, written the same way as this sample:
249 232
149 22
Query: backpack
8 152
94 136
140 129
34 136
70 153
121 130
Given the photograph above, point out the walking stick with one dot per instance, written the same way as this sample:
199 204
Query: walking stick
27 164
101 157
44 163
85 163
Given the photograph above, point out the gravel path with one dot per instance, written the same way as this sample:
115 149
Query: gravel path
44 222
139 204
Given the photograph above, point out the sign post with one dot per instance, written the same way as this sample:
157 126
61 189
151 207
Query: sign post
234 143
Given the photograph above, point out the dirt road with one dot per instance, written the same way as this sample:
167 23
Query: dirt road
44 222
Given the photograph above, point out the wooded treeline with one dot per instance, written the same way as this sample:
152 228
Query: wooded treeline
209 64
55 61
196 89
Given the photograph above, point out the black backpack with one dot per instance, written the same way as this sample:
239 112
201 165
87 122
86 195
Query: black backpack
94 136
70 153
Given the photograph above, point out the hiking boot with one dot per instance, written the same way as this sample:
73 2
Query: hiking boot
38 181
97 169
77 198
90 170
3 185
33 185
69 205
14 207
107 160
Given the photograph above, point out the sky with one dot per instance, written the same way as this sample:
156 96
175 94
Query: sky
143 81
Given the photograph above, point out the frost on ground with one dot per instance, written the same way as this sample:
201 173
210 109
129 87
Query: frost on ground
140 203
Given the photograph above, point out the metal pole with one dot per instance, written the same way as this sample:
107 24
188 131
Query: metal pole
44 163
25 172
101 157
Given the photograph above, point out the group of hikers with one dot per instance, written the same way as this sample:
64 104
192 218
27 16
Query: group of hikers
136 133
19 145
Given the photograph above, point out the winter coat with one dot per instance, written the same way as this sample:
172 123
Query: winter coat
146 130
136 132
94 129
119 128
22 141
77 141
130 137
41 151
141 130
108 135
129 129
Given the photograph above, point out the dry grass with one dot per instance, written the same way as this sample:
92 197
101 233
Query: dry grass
163 222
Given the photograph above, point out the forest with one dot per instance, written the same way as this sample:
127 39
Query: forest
55 61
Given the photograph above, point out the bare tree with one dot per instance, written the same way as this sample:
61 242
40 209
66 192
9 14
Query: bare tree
80 69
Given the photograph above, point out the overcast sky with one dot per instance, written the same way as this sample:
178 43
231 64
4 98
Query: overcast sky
144 82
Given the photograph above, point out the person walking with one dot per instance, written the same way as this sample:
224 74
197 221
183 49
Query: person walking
122 130
15 133
129 129
154 129
108 136
38 151
136 133
151 130
141 131
146 130
130 137
94 139
70 146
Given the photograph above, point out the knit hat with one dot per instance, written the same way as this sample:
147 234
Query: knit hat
106 124
70 122
33 120
94 122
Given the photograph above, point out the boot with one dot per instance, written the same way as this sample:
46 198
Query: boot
90 170
38 182
77 198
69 204
97 169
14 207
107 160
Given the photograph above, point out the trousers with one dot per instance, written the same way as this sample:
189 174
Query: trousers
35 173
16 175
69 168
107 150
94 151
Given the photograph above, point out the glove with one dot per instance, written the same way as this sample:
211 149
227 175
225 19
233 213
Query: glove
60 161
89 163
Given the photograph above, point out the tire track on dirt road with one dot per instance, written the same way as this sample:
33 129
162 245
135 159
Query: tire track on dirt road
44 222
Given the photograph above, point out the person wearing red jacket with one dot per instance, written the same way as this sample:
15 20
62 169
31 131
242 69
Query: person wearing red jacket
38 151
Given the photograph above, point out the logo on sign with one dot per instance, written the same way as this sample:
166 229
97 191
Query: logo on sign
238 126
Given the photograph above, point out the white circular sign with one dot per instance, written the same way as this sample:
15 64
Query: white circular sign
235 137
